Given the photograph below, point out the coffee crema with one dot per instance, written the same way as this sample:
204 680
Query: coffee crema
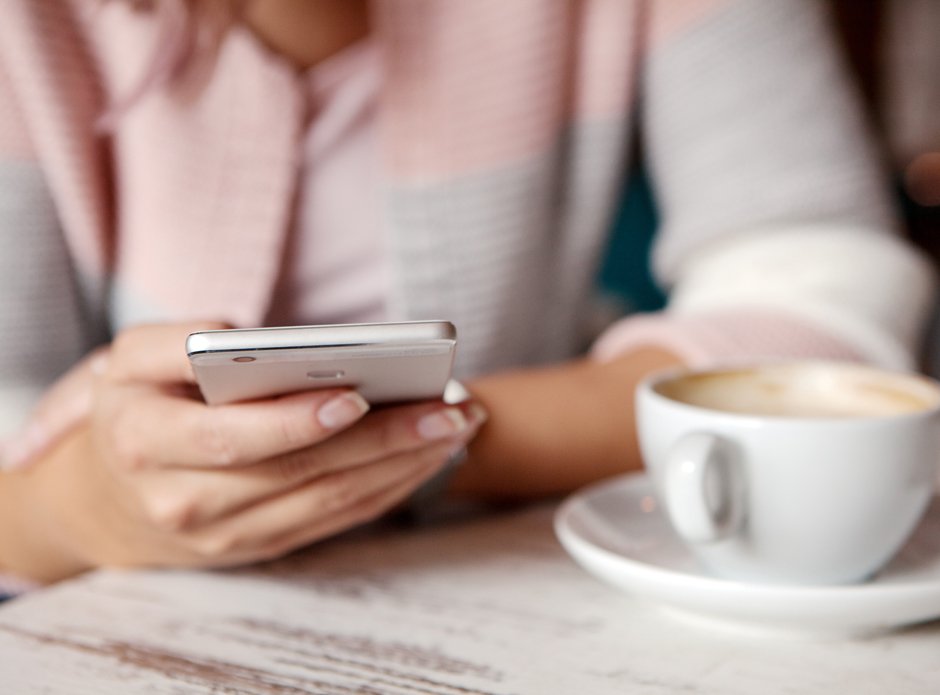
805 390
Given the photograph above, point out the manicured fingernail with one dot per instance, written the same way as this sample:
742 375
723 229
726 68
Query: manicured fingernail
441 424
342 410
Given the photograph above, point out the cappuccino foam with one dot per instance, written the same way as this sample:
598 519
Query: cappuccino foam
808 390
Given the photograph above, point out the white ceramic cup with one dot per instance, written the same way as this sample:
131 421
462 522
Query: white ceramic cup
792 473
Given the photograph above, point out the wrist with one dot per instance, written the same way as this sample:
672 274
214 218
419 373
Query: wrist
556 428
37 519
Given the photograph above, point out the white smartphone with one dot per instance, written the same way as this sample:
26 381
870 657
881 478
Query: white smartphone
385 362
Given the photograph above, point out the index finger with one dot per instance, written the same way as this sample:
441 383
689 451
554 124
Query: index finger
172 431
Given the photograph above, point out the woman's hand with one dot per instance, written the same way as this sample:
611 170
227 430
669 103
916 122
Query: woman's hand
156 477
62 408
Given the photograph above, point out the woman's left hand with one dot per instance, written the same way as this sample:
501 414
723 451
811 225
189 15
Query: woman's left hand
62 408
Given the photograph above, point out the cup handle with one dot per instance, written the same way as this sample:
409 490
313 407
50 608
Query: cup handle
703 488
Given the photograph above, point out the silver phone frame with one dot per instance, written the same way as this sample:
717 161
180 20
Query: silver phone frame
386 362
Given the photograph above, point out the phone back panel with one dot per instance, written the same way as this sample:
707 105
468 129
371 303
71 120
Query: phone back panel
384 364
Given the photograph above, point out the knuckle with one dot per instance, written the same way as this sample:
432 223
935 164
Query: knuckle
128 453
171 513
389 434
342 494
297 466
121 347
213 442
293 431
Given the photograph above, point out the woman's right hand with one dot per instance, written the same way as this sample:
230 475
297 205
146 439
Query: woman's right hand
157 478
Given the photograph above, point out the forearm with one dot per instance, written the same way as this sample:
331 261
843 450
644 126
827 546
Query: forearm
554 429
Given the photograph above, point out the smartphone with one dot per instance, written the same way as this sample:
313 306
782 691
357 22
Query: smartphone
384 362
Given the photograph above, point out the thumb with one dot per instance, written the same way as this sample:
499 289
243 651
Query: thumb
61 409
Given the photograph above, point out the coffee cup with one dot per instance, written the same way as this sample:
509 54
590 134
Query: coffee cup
793 473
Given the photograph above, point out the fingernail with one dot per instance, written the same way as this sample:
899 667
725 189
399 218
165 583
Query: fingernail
342 410
441 424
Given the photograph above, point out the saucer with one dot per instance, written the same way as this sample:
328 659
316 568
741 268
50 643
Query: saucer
616 531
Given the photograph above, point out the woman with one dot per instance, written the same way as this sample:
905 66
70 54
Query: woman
290 162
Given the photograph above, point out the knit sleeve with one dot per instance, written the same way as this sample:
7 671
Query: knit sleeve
777 236
15 141
41 330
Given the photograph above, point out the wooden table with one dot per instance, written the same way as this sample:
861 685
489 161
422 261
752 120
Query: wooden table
489 605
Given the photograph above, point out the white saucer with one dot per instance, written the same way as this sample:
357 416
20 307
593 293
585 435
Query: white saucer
616 531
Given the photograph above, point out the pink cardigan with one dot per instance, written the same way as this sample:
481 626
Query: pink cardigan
505 131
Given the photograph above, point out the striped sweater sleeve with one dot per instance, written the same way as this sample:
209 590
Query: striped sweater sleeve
777 238
42 329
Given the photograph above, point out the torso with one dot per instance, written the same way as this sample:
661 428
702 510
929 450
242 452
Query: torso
336 266
307 32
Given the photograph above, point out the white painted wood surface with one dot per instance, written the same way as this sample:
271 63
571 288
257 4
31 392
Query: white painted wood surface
488 606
